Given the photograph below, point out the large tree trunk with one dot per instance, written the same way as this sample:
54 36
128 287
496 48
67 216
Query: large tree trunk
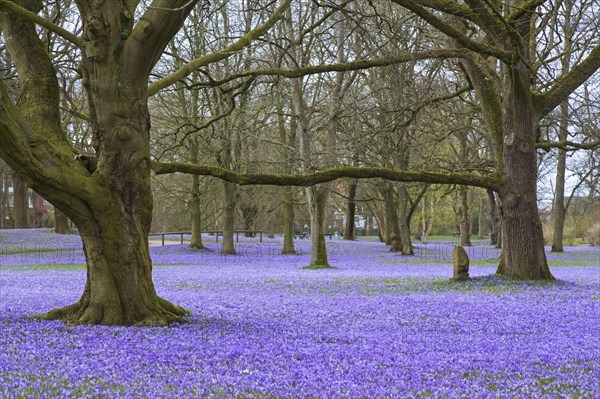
350 211
20 202
512 119
523 255
111 202
228 247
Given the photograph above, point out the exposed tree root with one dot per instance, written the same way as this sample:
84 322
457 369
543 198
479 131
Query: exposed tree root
163 314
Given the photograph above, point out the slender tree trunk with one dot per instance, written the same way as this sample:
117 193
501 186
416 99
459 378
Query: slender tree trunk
463 217
2 198
227 247
369 225
481 218
196 214
428 220
61 222
317 202
350 211
287 193
495 217
36 219
249 213
288 221
559 209
424 235
382 228
391 218
20 202
403 222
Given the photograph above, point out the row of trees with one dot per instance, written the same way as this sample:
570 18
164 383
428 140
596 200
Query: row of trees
290 94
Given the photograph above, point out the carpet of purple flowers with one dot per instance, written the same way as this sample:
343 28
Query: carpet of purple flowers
377 325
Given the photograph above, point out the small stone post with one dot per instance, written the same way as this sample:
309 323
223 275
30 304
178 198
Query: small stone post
461 264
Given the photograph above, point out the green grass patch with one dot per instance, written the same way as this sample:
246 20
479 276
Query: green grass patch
318 267
16 250
47 266
487 284
573 262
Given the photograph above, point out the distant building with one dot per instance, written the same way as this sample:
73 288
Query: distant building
37 207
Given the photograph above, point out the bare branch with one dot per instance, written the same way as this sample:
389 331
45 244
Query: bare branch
567 145
227 52
454 33
16 9
342 67
567 83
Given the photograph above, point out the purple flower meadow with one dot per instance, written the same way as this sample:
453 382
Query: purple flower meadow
377 325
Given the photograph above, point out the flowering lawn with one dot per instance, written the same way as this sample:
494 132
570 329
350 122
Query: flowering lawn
377 325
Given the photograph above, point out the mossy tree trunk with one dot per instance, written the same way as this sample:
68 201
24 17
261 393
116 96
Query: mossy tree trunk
111 204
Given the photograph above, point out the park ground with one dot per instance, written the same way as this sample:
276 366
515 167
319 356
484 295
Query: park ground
377 325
